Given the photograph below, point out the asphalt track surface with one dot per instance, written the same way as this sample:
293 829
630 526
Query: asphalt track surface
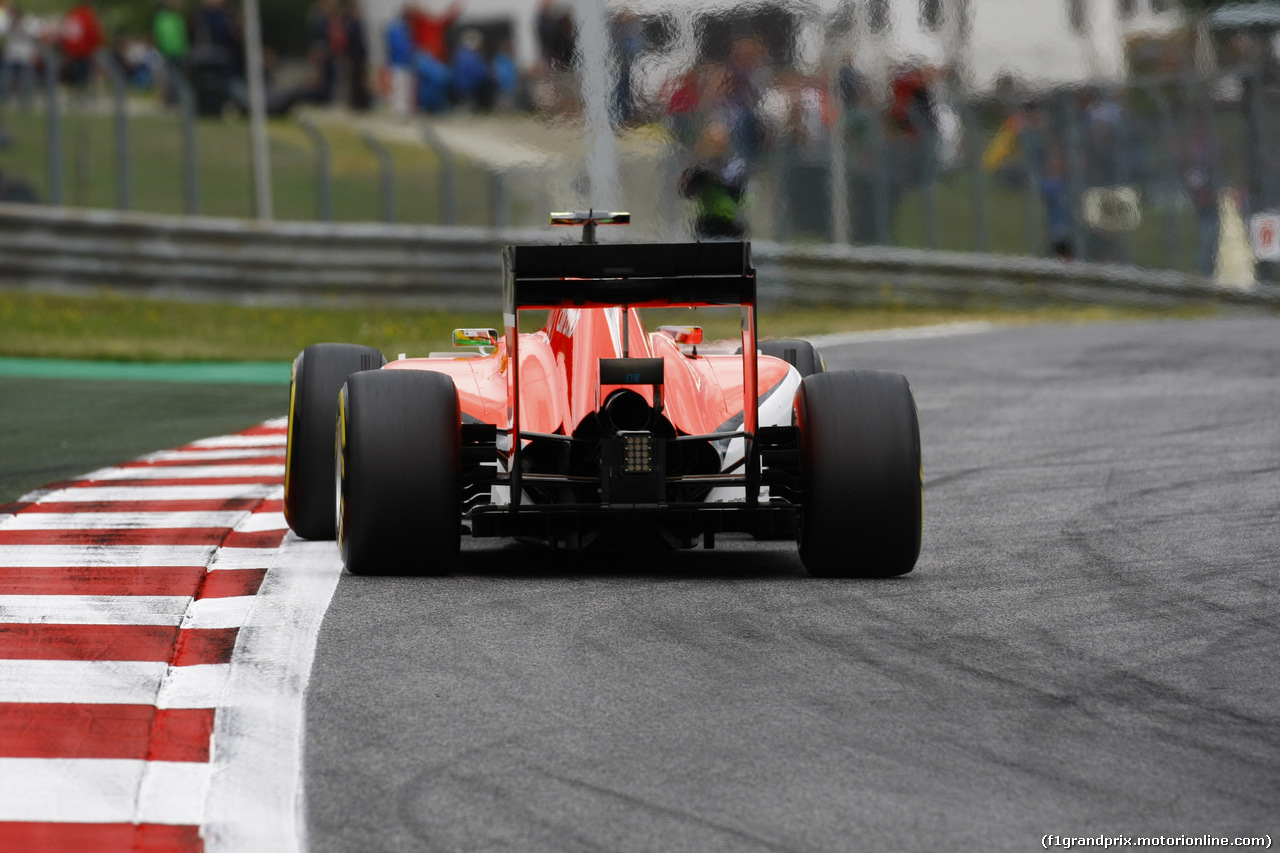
1089 644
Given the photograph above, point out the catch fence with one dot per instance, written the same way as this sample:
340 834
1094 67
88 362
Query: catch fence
1162 173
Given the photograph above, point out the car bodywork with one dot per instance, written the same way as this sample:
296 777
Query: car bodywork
592 428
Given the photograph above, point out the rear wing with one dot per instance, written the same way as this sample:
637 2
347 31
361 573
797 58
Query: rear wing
629 275
636 275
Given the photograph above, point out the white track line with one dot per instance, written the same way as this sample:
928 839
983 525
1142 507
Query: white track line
235 491
256 798
111 683
230 441
39 556
228 612
260 522
909 333
186 472
211 454
198 686
93 609
122 520
102 790
242 558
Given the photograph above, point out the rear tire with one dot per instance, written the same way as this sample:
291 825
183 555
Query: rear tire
860 473
399 453
801 355
318 374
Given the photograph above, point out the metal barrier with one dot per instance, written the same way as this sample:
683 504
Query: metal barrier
460 268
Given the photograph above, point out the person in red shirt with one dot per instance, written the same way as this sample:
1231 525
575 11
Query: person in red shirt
79 38
430 31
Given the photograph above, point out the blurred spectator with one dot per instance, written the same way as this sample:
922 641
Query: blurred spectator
506 77
328 42
1057 207
430 32
472 79
628 41
215 56
1197 178
169 29
400 62
862 134
912 106
912 143
681 97
717 185
433 80
742 91
557 36
796 107
1008 140
357 57
140 61
1104 164
553 88
79 39
21 35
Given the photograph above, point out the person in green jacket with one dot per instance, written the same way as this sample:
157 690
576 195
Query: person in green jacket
718 186
170 31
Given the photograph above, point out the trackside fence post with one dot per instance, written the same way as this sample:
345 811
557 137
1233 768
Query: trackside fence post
884 215
386 176
187 118
448 178
1169 177
1124 174
781 168
120 103
1258 185
324 178
53 121
1075 173
499 207
971 130
839 183
930 138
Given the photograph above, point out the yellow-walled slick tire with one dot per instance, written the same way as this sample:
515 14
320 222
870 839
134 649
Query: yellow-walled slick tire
399 466
318 374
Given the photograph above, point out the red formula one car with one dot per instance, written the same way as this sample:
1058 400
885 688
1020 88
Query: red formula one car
593 432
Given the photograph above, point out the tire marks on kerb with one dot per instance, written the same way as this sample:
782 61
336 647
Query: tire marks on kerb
153 655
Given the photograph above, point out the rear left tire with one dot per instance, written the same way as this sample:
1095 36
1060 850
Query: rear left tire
318 374
399 455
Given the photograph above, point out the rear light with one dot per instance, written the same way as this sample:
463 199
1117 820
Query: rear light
637 452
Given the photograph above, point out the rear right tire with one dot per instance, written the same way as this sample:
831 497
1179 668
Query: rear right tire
399 459
861 475
801 355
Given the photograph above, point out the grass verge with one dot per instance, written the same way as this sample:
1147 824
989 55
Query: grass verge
111 326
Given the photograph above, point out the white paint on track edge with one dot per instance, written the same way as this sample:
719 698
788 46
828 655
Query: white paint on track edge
255 798
906 333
